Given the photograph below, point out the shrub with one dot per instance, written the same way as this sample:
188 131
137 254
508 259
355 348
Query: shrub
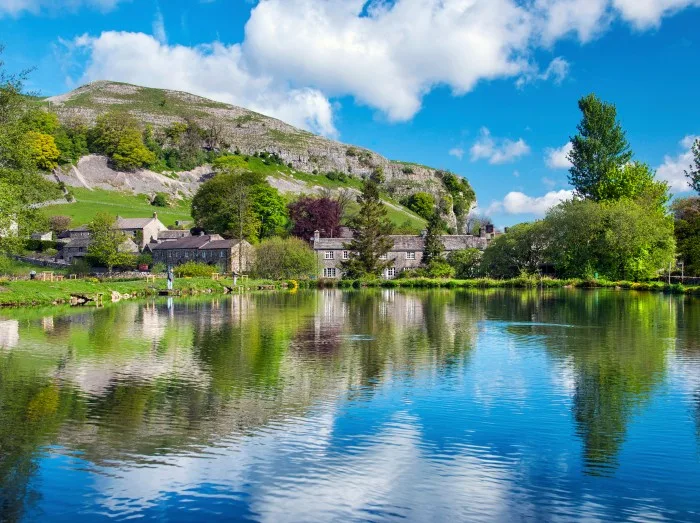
194 270
79 267
59 224
160 200
440 269
465 263
287 259
421 203
159 268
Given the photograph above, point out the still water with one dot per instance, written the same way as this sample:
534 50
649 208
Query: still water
354 406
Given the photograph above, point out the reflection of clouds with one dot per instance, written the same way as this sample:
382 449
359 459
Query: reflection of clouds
298 477
9 334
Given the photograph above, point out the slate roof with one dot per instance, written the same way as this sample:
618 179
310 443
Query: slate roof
173 235
189 242
405 243
77 243
133 223
220 244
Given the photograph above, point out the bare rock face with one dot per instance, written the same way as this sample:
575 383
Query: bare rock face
239 128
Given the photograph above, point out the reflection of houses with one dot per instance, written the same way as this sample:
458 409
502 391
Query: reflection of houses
212 249
406 253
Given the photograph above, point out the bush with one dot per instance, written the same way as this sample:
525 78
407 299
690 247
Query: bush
59 224
79 267
440 269
421 203
159 268
286 259
160 200
195 270
465 263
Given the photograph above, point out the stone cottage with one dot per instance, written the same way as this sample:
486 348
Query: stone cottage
212 249
406 253
140 230
78 248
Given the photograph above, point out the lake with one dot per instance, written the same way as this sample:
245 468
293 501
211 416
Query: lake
378 405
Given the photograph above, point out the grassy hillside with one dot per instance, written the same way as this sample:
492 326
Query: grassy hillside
88 203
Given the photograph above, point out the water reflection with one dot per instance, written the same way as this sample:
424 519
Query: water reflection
358 405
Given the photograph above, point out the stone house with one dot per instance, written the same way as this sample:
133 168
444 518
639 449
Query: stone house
212 249
78 248
140 230
407 252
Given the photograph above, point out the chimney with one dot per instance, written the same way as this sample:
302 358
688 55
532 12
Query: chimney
317 235
155 215
201 233
489 228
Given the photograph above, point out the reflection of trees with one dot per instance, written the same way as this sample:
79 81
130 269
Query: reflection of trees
611 342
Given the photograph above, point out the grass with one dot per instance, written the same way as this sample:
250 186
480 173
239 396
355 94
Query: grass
12 267
39 293
88 203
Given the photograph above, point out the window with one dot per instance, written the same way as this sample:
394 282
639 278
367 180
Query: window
330 255
383 257
222 254
391 272
346 255
329 272
410 255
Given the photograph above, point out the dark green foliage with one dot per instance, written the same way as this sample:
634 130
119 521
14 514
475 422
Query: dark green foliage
521 250
465 263
434 248
600 150
422 203
693 172
193 269
117 136
370 235
160 200
289 258
687 227
337 176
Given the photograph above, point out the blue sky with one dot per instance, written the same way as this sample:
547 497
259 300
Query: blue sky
486 88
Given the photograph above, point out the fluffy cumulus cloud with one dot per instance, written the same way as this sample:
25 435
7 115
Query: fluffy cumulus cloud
497 150
648 13
558 158
457 152
520 203
215 71
18 7
674 167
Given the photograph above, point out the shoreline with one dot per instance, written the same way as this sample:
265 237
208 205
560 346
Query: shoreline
26 294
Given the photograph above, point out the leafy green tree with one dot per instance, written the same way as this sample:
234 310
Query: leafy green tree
422 203
160 200
619 240
433 247
600 150
118 136
687 228
43 150
693 172
270 210
371 229
634 180
289 258
41 121
523 249
465 263
106 243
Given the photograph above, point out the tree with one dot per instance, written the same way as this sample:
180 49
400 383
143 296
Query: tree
465 263
634 180
476 222
106 243
279 258
270 210
370 241
687 229
693 172
315 214
160 200
523 249
59 224
422 203
433 247
43 150
600 149
117 136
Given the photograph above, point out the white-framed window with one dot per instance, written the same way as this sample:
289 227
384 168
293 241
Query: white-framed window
330 255
383 257
329 272
346 255
222 254
410 255
391 272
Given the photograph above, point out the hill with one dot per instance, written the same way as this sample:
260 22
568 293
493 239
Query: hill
305 157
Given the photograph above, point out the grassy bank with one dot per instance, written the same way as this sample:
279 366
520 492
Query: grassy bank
39 293
515 283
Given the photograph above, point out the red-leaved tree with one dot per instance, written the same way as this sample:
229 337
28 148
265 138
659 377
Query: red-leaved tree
315 214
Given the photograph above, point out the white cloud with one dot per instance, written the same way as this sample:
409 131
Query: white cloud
498 151
215 71
648 13
558 158
457 152
673 169
557 71
18 7
521 203
159 28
